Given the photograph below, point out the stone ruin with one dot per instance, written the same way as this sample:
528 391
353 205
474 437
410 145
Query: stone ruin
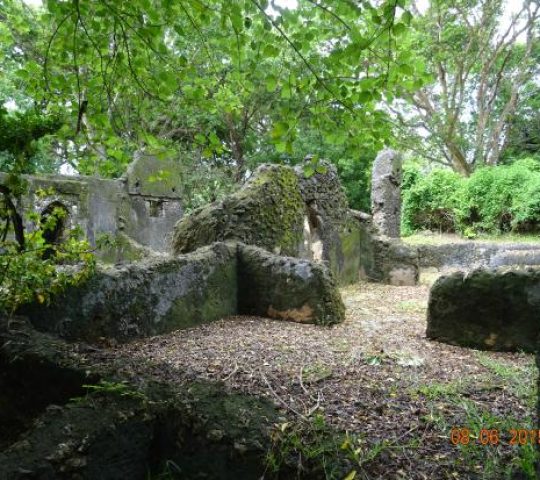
386 180
487 309
278 247
137 212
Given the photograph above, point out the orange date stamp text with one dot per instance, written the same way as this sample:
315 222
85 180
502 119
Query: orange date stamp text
494 436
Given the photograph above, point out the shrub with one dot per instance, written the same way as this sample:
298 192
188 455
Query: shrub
492 200
430 201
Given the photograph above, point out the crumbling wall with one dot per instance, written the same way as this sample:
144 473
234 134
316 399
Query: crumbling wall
487 309
332 232
284 212
145 298
268 211
142 206
159 295
393 262
286 288
475 254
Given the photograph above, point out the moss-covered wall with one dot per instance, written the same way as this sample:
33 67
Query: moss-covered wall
268 212
285 212
147 298
160 295
287 288
487 309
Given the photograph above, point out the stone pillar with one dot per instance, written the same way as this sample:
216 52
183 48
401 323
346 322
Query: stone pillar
386 193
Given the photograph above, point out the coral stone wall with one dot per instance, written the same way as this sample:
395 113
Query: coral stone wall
487 309
284 212
159 295
145 298
287 288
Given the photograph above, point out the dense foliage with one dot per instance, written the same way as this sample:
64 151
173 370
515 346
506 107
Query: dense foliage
223 86
45 266
492 200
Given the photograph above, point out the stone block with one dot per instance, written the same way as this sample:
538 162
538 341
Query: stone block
486 309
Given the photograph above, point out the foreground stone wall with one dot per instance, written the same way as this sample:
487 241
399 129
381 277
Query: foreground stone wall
131 426
486 309
164 294
145 298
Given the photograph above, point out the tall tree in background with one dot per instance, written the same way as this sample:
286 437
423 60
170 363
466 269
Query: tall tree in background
480 63
236 81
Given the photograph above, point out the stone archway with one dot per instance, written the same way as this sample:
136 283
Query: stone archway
53 221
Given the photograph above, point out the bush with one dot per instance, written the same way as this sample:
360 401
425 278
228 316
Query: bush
492 200
430 202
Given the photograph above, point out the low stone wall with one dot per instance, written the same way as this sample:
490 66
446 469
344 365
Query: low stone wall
486 309
286 288
146 298
392 262
164 294
470 255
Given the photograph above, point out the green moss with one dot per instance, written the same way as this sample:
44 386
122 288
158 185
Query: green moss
268 212
216 300
121 249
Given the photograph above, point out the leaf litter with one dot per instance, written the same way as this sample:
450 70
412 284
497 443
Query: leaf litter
375 376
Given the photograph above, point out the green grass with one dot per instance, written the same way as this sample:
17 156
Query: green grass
518 380
436 390
499 461
442 239
490 461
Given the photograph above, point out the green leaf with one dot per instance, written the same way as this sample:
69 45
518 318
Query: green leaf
271 83
270 51
280 130
407 17
309 171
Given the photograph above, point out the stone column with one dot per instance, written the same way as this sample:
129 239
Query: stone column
386 193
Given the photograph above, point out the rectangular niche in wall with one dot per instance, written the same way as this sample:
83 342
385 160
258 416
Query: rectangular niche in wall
156 208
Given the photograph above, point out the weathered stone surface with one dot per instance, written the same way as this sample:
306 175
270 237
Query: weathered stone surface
486 309
333 233
150 176
163 294
386 193
287 288
393 262
285 212
471 255
146 214
131 429
146 298
268 212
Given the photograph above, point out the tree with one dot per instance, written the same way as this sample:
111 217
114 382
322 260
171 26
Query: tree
523 137
232 79
480 67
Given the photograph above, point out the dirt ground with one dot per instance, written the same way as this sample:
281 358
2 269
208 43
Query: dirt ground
397 394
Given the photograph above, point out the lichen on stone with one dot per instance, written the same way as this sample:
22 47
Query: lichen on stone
268 212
